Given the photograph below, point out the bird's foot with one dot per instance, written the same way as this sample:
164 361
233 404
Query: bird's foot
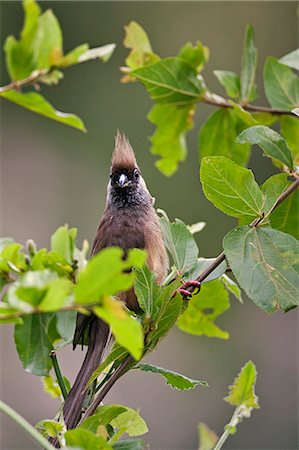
185 292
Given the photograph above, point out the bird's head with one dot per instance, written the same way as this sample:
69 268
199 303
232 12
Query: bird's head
126 184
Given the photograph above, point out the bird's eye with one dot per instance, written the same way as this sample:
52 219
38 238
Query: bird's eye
136 174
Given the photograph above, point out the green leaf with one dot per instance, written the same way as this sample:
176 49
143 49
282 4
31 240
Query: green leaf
105 274
171 308
174 379
52 260
281 85
146 290
126 419
125 328
130 422
51 386
103 53
230 81
232 287
242 392
207 437
10 255
218 136
33 344
37 103
271 142
168 141
4 241
231 188
203 309
172 81
47 46
201 265
290 131
72 57
49 428
248 67
263 261
272 189
66 323
117 353
180 243
283 217
85 440
129 444
63 241
141 53
291 59
196 55
20 59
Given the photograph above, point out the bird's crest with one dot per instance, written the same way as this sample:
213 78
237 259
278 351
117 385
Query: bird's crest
123 156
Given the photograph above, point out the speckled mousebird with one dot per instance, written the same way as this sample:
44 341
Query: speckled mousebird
129 221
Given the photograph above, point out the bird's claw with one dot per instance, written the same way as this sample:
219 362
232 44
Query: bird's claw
187 294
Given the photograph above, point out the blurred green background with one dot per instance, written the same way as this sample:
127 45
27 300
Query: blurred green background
52 174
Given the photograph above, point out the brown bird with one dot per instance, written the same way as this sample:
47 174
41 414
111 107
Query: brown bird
129 221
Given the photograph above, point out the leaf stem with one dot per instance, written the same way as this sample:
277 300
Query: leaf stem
227 430
58 374
25 425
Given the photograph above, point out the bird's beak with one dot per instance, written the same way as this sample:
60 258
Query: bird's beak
123 181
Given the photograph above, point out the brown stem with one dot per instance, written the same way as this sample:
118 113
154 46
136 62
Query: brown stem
32 78
221 102
121 370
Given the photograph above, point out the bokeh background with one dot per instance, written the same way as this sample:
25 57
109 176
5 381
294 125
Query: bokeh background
52 174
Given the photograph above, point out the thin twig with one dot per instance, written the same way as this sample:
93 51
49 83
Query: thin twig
221 102
121 370
32 78
58 374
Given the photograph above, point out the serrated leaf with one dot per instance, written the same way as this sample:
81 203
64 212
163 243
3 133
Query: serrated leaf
203 309
207 437
180 243
105 274
37 103
174 379
33 344
168 141
141 53
126 419
171 80
218 135
230 81
264 262
242 392
272 189
196 55
248 67
270 141
49 428
281 85
283 217
85 440
291 59
289 127
232 287
126 329
231 188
